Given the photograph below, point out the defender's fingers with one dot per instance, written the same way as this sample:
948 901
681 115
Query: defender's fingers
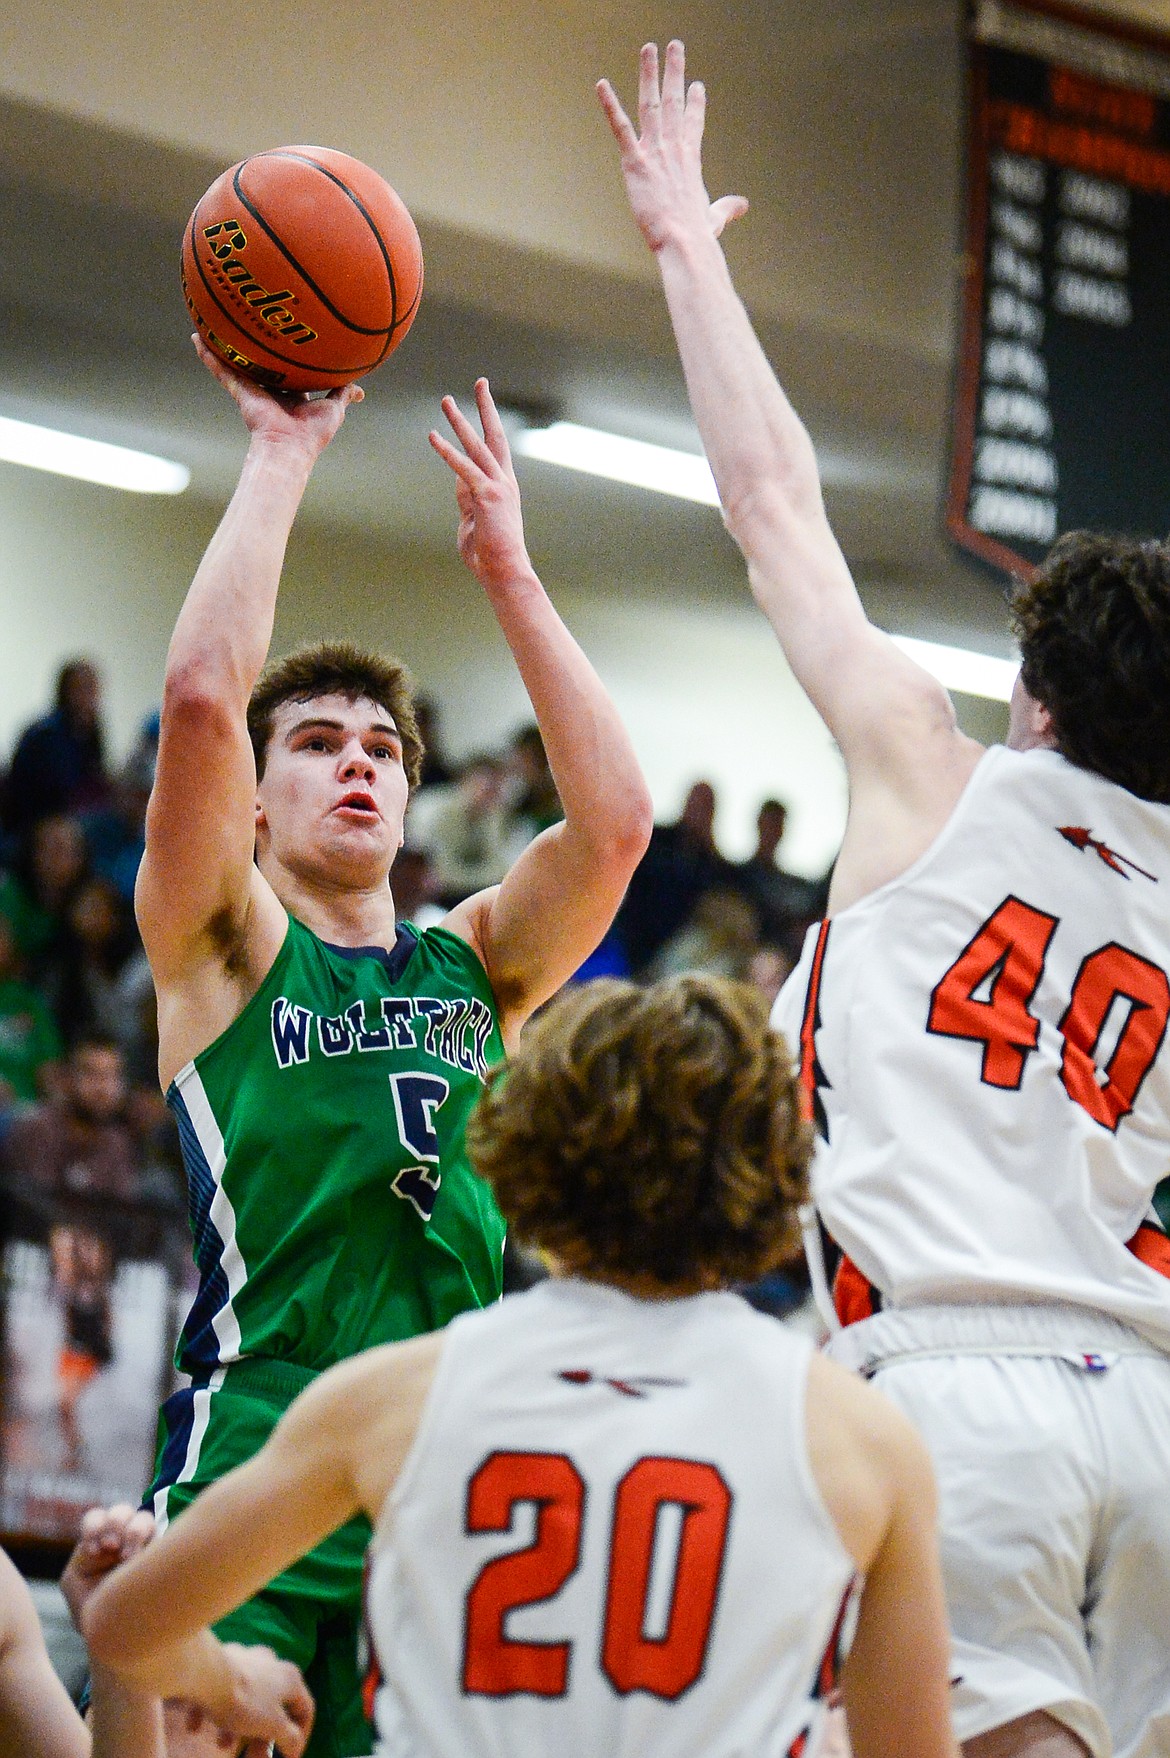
649 102
674 82
138 1532
624 132
696 113
299 1711
102 1528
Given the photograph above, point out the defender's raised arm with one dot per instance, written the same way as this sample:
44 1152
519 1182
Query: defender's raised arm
895 725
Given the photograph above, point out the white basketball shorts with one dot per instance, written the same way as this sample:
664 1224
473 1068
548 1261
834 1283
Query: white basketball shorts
1049 1428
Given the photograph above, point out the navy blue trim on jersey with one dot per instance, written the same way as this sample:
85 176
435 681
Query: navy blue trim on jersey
198 1345
178 1420
393 961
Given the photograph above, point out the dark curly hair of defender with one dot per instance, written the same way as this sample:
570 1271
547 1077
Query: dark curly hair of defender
339 668
1094 634
649 1133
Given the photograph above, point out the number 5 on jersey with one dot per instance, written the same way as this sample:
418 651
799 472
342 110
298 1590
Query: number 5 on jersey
417 1098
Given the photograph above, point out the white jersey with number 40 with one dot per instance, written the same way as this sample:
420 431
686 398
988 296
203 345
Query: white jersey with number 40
982 1043
606 1540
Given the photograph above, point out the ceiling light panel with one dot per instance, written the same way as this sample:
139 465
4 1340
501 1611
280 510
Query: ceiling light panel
67 454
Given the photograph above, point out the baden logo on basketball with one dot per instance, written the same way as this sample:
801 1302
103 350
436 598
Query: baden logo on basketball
226 239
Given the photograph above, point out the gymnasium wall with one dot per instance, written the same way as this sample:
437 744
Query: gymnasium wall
702 687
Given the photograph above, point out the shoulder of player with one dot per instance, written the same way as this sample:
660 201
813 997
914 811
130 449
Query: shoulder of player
868 1460
362 1416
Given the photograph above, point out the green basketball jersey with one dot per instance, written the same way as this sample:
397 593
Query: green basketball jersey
331 1199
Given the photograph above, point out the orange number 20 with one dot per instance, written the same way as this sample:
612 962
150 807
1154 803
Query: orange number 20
498 1665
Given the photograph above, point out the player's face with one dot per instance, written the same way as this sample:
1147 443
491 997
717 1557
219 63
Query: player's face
334 792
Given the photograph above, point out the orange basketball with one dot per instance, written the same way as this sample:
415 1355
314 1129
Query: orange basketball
302 268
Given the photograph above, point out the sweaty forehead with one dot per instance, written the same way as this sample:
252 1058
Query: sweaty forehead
360 713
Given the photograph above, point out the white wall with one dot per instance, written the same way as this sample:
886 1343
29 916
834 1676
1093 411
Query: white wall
702 688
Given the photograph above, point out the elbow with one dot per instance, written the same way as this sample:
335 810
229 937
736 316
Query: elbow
641 824
625 836
198 694
769 505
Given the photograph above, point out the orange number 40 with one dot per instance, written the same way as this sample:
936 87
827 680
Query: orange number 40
1006 961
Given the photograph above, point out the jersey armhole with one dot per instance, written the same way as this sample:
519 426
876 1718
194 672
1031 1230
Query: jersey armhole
427 1422
803 1458
275 969
987 764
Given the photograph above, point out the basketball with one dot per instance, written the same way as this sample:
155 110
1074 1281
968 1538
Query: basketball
302 268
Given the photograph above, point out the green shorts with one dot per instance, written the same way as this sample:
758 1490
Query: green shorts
312 1613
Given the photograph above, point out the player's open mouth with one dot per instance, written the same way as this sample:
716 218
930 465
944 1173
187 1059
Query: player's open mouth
357 802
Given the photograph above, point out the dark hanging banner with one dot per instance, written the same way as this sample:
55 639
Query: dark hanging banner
1063 399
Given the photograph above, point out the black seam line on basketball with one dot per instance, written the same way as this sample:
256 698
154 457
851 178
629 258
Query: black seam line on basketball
362 329
297 360
409 313
359 204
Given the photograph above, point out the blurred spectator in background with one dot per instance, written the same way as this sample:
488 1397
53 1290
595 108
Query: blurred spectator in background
531 793
769 969
79 1143
720 938
416 888
115 834
84 982
463 829
83 1265
785 902
50 862
30 1045
681 863
59 761
436 770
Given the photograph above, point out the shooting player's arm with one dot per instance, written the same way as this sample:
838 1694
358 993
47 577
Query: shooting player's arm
196 886
551 910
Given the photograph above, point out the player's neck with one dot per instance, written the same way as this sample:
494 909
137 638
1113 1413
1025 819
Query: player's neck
340 915
642 1287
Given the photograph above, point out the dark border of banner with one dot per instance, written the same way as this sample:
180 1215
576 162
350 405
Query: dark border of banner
970 356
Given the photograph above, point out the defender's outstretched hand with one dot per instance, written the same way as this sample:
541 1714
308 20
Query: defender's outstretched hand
663 168
308 421
491 525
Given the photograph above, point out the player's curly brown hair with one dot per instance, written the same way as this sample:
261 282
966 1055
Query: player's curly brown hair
336 668
649 1133
1094 634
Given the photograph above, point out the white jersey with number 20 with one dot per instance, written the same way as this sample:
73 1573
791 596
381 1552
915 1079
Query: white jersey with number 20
607 1540
983 1045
